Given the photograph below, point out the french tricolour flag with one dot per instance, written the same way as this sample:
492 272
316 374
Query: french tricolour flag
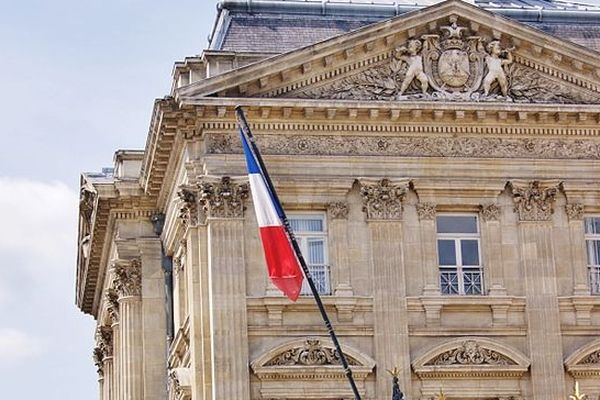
283 266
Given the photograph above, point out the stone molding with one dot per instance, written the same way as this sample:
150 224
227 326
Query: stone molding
128 278
413 146
426 211
337 210
534 200
574 211
490 212
382 199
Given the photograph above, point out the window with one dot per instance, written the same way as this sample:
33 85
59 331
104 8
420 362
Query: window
311 234
592 243
459 255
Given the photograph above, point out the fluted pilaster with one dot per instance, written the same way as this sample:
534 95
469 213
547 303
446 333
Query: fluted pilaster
337 214
431 276
581 285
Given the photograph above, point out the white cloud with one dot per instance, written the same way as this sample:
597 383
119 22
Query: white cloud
17 346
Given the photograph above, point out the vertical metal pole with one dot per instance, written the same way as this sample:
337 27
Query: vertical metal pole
246 131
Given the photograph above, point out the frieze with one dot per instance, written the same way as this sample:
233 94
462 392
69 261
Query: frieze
471 353
534 200
382 200
312 353
412 146
128 278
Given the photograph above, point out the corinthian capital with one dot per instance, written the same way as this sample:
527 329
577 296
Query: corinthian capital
534 200
426 211
128 278
222 198
382 200
188 210
104 339
98 356
112 305
574 211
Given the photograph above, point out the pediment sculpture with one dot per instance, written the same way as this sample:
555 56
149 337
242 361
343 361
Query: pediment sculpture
452 65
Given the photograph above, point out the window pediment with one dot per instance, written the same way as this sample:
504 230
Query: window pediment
585 362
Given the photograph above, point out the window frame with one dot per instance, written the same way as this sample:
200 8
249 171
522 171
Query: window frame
593 269
302 239
459 268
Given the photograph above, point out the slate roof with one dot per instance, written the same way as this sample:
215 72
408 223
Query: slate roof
272 29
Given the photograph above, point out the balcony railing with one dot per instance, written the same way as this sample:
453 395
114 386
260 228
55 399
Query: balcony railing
320 275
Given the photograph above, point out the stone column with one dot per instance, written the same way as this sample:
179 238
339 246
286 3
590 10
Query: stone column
128 284
337 218
382 202
112 308
430 268
104 337
491 235
581 285
534 206
222 202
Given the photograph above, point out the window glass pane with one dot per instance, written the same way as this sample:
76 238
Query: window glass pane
593 252
316 253
470 252
306 224
446 252
449 281
456 224
595 280
592 225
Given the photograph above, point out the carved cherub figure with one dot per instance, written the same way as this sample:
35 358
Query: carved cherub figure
410 55
495 61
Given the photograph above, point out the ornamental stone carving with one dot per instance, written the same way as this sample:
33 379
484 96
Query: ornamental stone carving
104 338
471 353
180 382
490 212
534 200
574 211
593 358
87 200
383 200
188 212
128 278
337 210
426 211
98 356
312 353
223 198
415 146
112 305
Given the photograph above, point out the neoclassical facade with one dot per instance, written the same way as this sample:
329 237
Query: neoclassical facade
441 168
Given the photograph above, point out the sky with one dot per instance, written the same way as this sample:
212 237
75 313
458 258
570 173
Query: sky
78 79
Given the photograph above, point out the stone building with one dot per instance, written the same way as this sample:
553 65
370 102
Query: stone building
441 167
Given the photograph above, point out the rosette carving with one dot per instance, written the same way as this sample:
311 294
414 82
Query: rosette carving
383 199
338 210
128 278
534 201
312 353
471 353
223 198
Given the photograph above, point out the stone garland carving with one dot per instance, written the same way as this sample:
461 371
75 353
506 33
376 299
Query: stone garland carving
313 353
534 202
112 305
414 146
593 358
471 353
490 212
574 211
188 212
426 211
337 210
128 278
223 199
452 65
383 200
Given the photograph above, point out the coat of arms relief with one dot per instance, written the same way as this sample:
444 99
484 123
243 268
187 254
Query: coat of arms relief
452 65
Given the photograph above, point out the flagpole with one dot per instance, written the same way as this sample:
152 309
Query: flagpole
246 132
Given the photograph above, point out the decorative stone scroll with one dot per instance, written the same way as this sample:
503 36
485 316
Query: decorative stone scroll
471 353
413 146
337 210
382 200
490 212
312 353
223 198
128 278
534 200
574 211
426 211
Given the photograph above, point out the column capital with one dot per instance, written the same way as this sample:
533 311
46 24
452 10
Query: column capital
98 356
490 212
426 211
382 199
111 298
104 340
574 211
337 210
128 277
223 197
534 200
188 209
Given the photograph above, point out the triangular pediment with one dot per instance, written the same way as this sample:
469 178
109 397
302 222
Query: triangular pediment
452 51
